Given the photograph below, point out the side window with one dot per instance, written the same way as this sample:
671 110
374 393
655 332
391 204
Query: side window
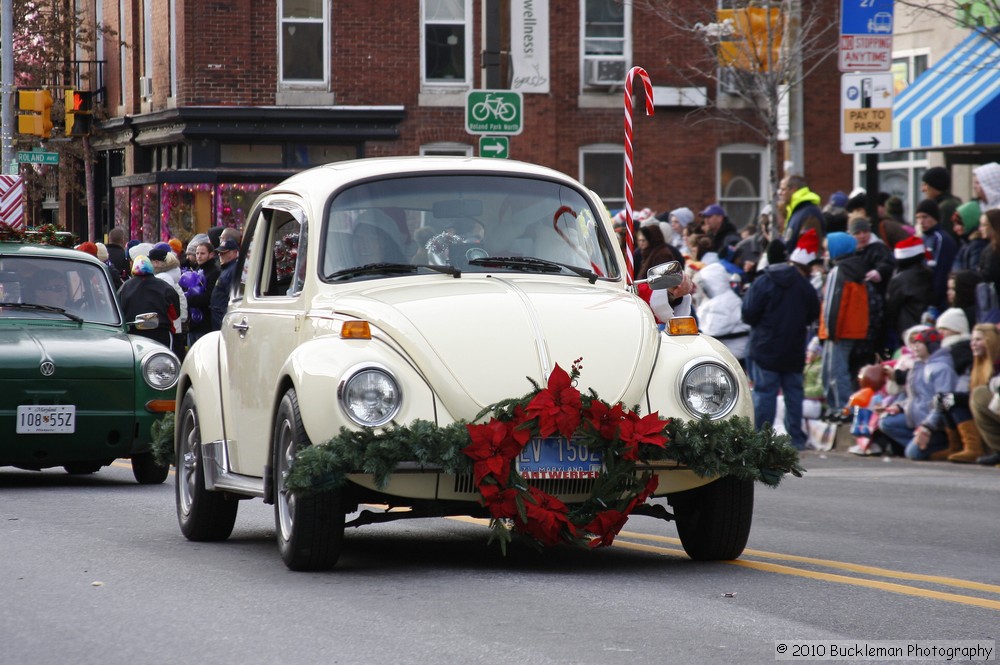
602 170
285 265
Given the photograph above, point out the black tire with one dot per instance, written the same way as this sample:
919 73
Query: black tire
82 468
147 471
310 529
202 515
714 520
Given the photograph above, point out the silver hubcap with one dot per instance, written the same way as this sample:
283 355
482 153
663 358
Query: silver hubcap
285 499
189 466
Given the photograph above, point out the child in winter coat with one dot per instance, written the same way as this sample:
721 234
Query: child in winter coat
719 312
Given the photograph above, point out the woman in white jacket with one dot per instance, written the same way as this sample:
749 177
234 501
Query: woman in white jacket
719 313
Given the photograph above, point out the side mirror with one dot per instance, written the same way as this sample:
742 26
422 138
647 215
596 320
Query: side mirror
664 276
149 321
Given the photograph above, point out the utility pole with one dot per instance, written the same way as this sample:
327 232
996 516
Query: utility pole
7 85
795 151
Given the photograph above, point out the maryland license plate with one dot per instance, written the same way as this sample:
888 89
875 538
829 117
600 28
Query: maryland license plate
557 457
46 419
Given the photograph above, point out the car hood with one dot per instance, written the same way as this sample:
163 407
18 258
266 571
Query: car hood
477 340
77 352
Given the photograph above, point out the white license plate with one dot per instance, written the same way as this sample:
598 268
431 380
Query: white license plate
46 419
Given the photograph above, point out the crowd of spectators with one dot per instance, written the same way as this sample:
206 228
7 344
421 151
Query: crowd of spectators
910 303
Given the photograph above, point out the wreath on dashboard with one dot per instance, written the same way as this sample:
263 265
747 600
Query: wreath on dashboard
624 440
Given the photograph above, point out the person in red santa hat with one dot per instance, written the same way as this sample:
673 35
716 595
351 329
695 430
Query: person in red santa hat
910 291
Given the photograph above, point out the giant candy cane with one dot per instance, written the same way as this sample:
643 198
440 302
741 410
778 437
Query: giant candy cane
647 84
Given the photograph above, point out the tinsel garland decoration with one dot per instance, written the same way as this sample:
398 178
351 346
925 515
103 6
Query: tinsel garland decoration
487 450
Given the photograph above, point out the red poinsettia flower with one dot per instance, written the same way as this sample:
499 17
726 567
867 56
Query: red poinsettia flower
494 446
605 419
502 504
605 526
645 430
557 407
547 518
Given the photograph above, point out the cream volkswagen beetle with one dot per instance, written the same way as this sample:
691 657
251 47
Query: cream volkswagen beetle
394 290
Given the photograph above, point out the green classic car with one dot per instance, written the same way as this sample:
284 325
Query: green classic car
76 390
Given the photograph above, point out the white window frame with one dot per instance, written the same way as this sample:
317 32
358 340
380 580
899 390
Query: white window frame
626 54
445 84
610 202
446 148
763 181
326 31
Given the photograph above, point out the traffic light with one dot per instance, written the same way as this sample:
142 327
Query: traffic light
79 112
39 119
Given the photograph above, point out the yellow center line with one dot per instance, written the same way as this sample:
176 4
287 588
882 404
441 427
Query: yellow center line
841 565
825 577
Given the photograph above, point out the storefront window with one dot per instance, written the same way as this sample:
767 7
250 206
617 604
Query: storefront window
178 209
233 203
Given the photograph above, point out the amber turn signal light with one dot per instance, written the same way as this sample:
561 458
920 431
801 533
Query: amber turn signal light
161 405
682 325
355 330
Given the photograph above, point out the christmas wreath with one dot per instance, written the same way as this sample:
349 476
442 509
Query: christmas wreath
624 439
286 251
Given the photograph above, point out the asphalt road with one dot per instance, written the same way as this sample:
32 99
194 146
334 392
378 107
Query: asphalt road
95 570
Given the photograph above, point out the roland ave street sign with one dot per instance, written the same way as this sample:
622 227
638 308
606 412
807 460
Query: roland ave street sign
866 112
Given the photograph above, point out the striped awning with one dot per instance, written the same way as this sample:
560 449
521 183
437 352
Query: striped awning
954 103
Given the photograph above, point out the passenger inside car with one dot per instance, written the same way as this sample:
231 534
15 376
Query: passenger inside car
49 288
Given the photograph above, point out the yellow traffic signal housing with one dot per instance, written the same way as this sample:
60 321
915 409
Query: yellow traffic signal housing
754 44
39 119
79 112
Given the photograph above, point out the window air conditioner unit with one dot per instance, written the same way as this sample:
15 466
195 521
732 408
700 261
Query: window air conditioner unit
604 72
146 87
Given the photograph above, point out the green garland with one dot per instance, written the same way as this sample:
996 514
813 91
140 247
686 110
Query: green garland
730 447
46 234
162 444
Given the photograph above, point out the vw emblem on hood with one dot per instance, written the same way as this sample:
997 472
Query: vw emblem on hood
47 368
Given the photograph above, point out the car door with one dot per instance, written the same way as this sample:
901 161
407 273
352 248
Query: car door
261 328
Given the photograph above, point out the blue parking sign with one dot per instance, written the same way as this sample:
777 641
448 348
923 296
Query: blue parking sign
866 17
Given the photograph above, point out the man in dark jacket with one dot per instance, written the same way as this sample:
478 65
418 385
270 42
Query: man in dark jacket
117 256
935 184
910 290
227 252
724 235
780 306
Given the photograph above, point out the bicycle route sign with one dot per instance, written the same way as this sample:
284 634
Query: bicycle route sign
494 112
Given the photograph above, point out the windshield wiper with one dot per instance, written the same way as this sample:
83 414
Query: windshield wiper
532 263
389 268
42 308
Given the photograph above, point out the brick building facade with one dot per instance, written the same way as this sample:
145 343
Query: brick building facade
206 104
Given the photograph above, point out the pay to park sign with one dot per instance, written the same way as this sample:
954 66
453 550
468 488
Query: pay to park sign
866 118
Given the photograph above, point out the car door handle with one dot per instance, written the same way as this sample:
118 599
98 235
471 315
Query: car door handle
242 327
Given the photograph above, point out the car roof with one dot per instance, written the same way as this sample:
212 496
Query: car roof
329 177
34 249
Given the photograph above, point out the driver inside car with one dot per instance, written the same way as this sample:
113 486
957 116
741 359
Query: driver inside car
49 288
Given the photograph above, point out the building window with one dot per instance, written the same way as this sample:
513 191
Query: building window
606 42
742 174
303 41
446 149
446 50
602 169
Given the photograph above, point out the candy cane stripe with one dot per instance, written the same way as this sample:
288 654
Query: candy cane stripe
648 87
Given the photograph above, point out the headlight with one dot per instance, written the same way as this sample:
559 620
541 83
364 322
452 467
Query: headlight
160 370
370 396
708 389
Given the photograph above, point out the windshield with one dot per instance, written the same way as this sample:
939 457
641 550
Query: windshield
52 284
459 220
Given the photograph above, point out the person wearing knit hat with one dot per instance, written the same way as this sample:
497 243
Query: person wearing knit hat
965 225
176 246
88 247
781 306
143 293
936 185
953 320
941 248
914 428
986 185
844 321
